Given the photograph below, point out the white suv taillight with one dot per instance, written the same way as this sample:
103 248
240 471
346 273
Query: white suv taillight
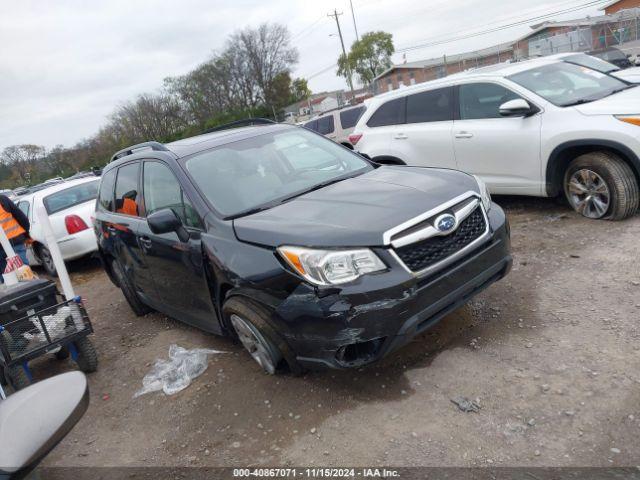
355 138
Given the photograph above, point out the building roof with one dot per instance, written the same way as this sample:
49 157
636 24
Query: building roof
608 4
431 62
318 100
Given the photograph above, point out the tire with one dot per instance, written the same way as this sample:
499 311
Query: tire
137 305
87 360
18 377
249 323
44 255
595 177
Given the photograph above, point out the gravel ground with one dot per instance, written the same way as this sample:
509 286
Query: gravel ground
550 354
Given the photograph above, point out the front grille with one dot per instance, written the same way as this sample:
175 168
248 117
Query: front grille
421 255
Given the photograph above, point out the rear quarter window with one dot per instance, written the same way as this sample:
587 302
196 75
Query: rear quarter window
392 112
326 125
70 197
349 118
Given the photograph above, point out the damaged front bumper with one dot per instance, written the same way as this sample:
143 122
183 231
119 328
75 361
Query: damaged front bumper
360 323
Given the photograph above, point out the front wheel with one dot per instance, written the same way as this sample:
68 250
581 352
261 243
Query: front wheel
600 185
248 322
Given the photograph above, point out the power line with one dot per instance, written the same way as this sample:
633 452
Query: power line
502 27
308 29
335 15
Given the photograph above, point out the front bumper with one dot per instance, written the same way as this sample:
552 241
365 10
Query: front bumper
361 323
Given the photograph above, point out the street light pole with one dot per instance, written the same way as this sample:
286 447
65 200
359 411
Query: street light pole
335 15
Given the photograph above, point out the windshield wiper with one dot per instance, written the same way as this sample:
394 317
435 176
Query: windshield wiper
580 102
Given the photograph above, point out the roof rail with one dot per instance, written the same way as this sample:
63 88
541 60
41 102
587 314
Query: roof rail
130 150
241 123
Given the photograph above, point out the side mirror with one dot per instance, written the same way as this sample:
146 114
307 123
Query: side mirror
165 221
517 108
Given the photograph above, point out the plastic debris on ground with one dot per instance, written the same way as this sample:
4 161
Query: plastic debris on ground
466 405
173 375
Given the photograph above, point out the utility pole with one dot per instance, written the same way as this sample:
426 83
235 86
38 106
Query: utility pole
335 15
353 15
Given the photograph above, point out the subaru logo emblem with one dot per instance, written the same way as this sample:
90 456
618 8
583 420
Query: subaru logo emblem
445 223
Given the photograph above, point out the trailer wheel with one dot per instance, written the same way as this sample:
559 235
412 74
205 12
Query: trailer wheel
18 377
62 354
87 356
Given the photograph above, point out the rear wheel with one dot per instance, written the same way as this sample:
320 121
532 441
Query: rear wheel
248 322
87 356
134 301
600 185
44 255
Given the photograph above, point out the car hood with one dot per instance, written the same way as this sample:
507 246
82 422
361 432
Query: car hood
631 75
357 211
621 103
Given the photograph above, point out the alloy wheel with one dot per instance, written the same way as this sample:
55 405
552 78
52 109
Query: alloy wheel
255 343
588 193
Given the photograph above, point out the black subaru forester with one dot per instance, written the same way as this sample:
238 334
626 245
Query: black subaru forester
308 253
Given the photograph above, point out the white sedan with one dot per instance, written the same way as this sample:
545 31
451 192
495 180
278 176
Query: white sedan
71 206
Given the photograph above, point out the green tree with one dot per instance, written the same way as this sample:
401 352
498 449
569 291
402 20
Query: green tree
368 57
300 90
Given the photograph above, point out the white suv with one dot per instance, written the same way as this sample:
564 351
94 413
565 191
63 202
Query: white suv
540 128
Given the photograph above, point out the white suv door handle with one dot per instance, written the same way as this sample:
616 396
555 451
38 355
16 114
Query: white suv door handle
464 135
400 136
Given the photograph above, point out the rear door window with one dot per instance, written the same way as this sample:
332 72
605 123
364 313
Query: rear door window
70 197
127 201
392 112
432 106
349 118
326 125
105 198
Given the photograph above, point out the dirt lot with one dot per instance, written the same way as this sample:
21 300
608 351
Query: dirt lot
551 353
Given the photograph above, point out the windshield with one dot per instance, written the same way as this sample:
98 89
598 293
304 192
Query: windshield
70 197
593 63
265 170
565 84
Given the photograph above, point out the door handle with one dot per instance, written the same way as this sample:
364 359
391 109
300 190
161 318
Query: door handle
400 136
145 242
464 135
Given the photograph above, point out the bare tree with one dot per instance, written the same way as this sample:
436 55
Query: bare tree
268 53
23 159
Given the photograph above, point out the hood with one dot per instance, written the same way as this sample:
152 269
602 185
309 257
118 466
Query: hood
631 75
357 211
626 102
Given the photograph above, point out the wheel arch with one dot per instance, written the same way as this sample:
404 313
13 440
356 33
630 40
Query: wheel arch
564 153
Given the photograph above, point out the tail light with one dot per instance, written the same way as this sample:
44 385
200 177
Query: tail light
355 138
74 224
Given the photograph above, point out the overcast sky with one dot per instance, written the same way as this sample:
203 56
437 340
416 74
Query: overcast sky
65 65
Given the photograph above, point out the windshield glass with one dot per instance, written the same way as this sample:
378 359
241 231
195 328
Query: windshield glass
71 196
565 84
593 63
264 170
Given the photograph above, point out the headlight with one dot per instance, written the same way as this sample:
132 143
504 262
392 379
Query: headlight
632 119
484 193
331 267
